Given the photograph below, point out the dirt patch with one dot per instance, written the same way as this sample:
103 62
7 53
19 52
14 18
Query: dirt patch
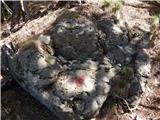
17 104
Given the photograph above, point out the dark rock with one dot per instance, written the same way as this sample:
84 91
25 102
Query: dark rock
76 91
7 52
135 89
81 40
142 63
139 38
6 34
116 55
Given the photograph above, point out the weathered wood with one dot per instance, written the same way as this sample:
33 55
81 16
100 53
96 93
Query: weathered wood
31 28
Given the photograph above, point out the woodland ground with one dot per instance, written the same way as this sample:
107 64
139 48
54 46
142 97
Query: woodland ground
17 104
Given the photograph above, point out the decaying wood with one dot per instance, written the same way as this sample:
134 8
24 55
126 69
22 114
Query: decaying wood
41 24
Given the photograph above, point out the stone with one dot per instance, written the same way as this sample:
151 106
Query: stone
50 71
134 93
45 39
71 83
139 37
134 16
115 55
107 62
125 47
7 52
76 80
135 89
111 73
81 40
92 65
62 59
117 46
114 34
144 69
142 63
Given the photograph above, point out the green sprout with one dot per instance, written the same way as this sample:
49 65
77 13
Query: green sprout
110 103
127 71
122 83
83 59
50 13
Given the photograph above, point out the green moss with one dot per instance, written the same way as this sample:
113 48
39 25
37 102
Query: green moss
107 3
122 83
117 6
83 59
110 103
115 93
26 45
155 19
72 28
154 22
127 71
68 14
48 60
50 13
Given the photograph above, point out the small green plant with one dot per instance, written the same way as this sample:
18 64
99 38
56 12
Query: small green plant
123 83
115 93
127 71
117 6
83 59
111 102
155 19
72 28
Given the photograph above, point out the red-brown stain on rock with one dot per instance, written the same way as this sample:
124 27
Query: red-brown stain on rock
79 80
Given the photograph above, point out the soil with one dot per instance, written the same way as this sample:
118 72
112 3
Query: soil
17 104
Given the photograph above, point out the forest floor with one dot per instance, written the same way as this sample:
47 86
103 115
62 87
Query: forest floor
17 104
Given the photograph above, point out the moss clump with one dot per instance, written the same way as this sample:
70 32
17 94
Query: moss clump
83 59
127 71
122 83
68 14
117 6
111 102
50 13
155 19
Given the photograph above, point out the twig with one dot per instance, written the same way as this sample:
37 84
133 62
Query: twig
7 8
130 109
5 110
